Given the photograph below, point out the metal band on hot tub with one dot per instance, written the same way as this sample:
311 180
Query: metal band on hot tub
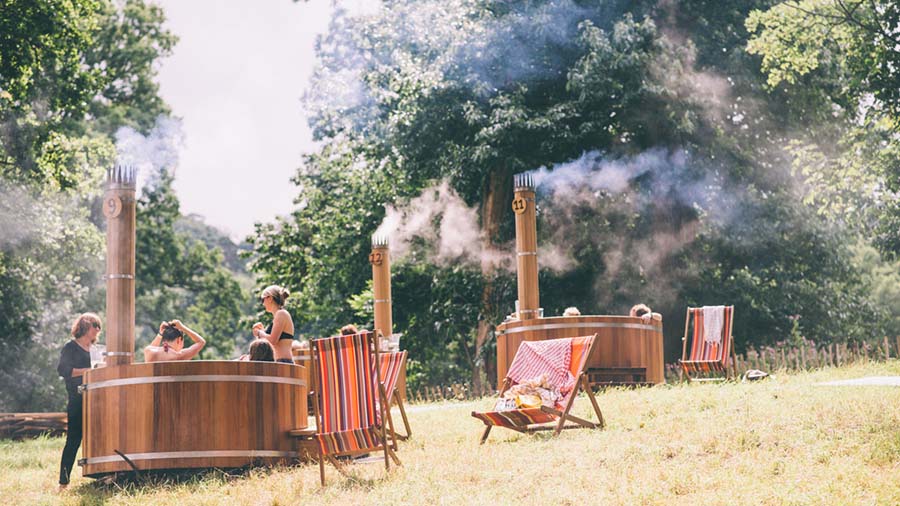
144 380
191 455
581 325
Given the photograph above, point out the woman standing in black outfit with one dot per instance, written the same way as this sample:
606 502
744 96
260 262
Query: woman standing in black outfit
74 360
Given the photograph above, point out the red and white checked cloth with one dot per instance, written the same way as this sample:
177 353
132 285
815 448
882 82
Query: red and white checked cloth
551 357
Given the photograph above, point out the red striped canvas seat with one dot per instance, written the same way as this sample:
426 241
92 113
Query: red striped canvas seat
347 388
347 394
515 417
568 371
391 366
702 356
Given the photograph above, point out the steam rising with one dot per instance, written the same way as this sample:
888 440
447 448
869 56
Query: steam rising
150 154
442 220
439 43
648 186
430 46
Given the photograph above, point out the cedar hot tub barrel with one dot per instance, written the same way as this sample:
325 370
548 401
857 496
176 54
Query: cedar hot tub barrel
194 414
624 343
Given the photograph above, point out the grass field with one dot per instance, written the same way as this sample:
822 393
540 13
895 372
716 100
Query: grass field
781 441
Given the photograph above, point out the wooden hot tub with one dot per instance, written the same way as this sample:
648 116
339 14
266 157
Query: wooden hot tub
196 414
626 345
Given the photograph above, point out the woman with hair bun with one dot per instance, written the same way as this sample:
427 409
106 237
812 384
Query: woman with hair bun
280 333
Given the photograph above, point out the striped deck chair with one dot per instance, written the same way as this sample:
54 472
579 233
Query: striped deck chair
347 390
391 366
708 358
530 363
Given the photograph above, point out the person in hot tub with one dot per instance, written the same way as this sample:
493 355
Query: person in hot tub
280 333
169 343
641 311
571 311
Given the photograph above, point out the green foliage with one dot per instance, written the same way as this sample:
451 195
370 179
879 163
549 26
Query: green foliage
179 277
783 260
62 62
50 256
41 53
843 58
192 225
472 91
126 48
882 280
71 73
855 41
320 253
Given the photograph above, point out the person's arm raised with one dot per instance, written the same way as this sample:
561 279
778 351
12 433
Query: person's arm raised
191 351
150 349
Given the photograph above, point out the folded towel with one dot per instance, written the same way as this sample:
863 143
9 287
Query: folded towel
713 319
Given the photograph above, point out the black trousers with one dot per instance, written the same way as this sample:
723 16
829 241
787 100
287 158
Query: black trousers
73 440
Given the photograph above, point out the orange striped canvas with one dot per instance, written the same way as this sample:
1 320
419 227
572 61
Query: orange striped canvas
347 393
391 365
515 417
704 356
580 348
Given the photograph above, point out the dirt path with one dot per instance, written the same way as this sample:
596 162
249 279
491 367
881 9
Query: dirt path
893 381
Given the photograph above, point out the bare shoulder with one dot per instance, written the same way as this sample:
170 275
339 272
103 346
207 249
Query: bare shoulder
283 314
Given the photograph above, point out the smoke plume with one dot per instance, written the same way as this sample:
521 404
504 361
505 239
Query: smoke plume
643 190
443 224
151 153
441 43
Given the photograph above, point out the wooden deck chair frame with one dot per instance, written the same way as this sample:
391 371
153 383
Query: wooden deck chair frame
686 364
394 397
382 428
557 426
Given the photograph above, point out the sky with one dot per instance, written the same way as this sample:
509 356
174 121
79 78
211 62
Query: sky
235 79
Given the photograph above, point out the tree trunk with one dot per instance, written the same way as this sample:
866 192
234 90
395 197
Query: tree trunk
495 202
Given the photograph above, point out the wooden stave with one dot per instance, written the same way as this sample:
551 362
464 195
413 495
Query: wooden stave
183 411
617 346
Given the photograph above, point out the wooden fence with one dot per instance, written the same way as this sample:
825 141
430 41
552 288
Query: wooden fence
807 356
770 358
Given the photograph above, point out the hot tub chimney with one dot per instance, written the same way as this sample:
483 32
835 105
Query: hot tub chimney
526 246
380 259
119 208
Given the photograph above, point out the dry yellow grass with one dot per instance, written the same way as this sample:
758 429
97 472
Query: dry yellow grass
781 441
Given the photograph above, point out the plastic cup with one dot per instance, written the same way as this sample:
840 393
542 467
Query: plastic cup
98 354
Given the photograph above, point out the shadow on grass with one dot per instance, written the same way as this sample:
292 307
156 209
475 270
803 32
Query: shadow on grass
101 490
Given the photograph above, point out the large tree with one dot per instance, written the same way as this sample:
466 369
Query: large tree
180 277
69 78
842 59
665 179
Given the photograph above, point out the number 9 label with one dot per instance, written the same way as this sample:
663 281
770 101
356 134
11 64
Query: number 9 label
112 206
